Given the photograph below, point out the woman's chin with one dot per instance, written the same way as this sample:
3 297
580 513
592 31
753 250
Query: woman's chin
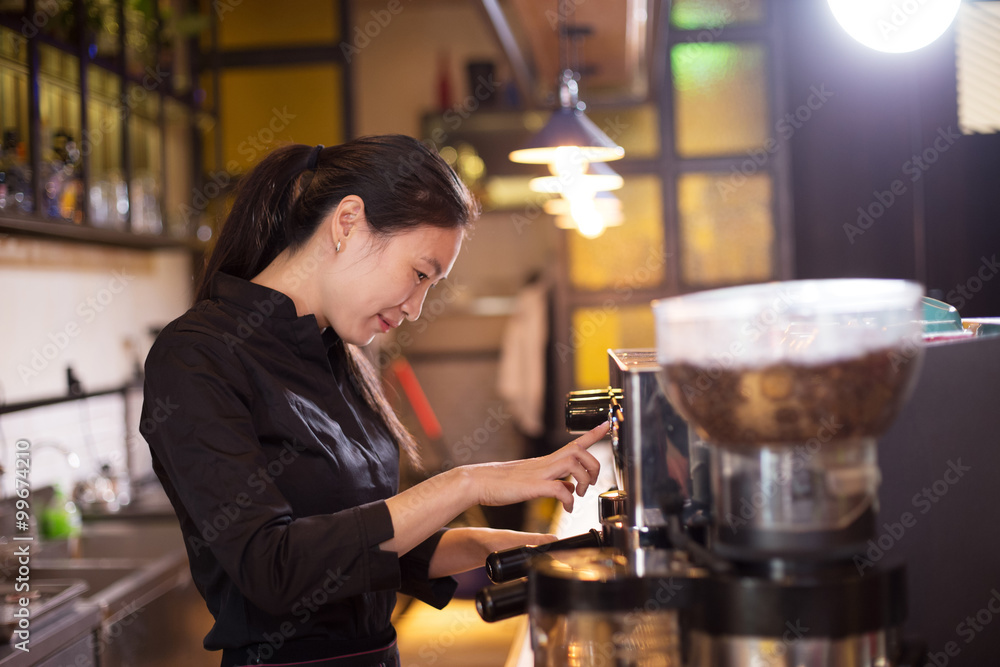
361 341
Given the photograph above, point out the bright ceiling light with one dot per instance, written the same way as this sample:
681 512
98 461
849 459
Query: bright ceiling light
609 206
569 127
588 219
570 179
567 222
895 26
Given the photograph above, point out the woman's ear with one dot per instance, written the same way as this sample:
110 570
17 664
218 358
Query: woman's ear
348 216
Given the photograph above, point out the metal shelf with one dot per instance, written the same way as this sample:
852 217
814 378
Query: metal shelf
66 231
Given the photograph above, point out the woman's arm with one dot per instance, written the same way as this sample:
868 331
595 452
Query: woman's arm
422 509
463 549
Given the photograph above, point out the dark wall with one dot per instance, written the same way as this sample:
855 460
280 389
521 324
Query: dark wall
939 461
885 109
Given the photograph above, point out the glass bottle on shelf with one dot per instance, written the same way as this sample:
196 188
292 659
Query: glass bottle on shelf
146 211
61 177
15 190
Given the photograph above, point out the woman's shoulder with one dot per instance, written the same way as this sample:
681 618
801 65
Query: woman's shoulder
204 328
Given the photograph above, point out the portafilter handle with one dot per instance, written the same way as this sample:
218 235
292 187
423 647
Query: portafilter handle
502 601
511 564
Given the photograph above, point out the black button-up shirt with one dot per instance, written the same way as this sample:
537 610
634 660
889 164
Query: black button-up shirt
278 471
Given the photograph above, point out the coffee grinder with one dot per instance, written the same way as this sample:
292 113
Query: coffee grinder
788 385
756 514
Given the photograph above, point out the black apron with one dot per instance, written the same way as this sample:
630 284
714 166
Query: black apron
309 654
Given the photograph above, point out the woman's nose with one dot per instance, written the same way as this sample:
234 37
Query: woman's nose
413 305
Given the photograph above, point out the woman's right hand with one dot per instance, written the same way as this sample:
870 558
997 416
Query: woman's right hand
421 510
516 481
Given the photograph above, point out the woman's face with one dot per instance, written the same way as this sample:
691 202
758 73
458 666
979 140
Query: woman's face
375 283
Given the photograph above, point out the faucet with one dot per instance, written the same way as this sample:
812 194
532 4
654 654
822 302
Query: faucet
99 490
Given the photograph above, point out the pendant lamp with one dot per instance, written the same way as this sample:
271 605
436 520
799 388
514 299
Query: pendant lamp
608 204
577 177
569 127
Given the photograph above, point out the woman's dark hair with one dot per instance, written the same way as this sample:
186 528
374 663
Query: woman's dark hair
280 203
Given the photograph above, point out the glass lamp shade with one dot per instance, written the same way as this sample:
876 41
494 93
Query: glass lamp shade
609 205
588 215
569 127
598 177
567 222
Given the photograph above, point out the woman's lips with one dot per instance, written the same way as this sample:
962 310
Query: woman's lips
385 324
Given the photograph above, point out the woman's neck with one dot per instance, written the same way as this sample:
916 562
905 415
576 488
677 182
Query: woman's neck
288 274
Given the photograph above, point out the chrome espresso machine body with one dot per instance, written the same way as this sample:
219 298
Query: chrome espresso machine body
732 543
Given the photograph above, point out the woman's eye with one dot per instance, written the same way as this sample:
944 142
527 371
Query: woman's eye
421 276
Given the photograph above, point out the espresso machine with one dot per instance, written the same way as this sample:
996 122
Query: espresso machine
747 478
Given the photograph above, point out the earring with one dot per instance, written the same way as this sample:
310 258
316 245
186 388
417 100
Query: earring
337 249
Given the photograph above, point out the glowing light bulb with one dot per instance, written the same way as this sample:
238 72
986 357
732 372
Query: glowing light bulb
568 161
589 220
895 26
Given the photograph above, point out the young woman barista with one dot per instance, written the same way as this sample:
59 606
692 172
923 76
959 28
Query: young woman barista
279 452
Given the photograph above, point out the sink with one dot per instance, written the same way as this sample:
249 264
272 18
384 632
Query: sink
119 586
120 539
124 564
99 575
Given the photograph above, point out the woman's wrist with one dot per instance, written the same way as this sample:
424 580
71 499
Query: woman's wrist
462 483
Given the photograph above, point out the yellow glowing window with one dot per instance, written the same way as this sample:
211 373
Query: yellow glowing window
697 14
720 98
726 228
635 128
265 23
303 105
629 256
594 330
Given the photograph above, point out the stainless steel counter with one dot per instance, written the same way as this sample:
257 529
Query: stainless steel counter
68 628
129 567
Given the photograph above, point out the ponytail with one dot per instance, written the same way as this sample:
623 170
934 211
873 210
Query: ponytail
280 203
254 232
